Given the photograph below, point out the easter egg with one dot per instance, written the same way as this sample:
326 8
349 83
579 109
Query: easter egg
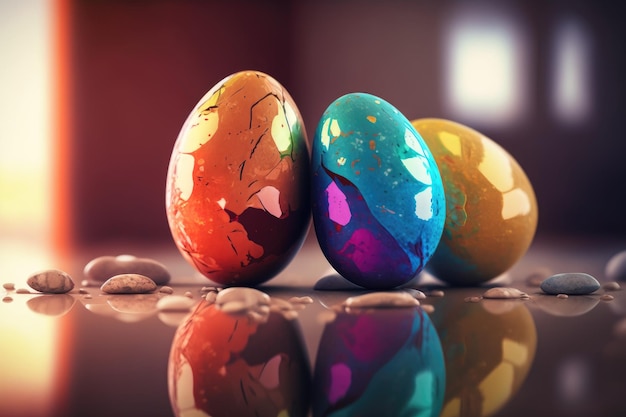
490 203
378 203
237 189
225 364
489 349
379 362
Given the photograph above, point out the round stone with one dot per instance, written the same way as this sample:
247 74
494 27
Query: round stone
51 281
571 283
51 304
615 269
175 303
382 299
128 284
504 293
104 267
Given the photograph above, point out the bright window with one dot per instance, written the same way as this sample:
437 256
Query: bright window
485 78
570 72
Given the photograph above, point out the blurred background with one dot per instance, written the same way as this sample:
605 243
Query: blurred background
93 94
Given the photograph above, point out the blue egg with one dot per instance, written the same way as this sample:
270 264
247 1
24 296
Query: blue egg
378 202
379 362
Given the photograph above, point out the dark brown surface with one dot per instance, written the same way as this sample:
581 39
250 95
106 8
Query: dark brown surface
111 362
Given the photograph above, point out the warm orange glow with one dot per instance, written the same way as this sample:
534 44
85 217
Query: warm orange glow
61 127
35 359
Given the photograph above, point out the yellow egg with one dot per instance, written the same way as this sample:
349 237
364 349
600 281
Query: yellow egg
489 350
491 208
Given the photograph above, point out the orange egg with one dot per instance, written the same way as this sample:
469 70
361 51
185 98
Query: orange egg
237 194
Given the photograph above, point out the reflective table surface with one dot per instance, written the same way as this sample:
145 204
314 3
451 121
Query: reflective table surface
87 353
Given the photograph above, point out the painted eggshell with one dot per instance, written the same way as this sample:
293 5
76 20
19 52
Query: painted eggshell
379 362
224 364
377 198
237 192
489 349
491 207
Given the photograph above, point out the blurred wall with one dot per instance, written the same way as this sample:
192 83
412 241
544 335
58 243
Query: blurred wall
139 67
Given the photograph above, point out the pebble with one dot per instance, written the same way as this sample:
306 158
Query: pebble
235 299
382 299
278 304
615 269
175 303
562 296
417 294
611 286
536 276
9 286
51 304
428 308
83 291
188 294
51 281
436 293
620 328
128 284
166 290
104 267
571 283
22 291
472 299
301 300
7 299
287 309
211 297
504 293
570 307
606 297
87 296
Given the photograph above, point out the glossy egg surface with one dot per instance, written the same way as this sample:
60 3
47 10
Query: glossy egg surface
237 189
377 197
379 362
491 206
489 349
225 365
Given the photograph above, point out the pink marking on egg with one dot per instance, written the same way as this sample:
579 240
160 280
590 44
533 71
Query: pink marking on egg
364 250
340 380
338 207
269 197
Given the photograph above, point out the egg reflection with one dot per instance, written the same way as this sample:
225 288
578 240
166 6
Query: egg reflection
51 304
489 348
224 364
379 362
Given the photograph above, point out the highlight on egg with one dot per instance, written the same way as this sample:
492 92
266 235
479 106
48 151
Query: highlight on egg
237 187
379 362
490 203
247 362
377 201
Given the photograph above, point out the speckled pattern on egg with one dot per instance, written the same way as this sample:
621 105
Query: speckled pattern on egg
377 198
237 192
491 205
223 364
